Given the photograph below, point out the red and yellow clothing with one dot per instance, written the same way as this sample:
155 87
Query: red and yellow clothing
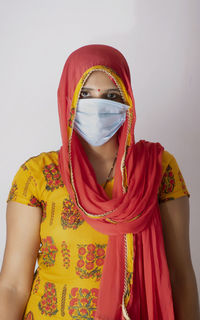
72 253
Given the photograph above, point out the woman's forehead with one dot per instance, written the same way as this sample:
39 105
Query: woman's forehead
100 78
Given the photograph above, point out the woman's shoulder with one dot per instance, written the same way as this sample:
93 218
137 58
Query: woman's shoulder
167 157
33 175
169 162
40 161
41 167
37 168
42 157
173 184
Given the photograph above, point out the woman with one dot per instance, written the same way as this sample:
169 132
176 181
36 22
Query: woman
111 215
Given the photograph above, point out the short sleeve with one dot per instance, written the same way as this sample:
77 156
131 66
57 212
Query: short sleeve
24 188
173 184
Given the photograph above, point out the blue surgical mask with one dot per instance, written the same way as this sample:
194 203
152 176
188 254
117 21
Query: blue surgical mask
97 120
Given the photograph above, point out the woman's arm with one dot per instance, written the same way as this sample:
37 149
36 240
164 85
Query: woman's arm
21 250
175 223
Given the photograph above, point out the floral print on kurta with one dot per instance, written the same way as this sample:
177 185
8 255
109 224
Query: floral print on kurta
52 176
34 202
82 303
90 260
48 303
70 216
66 255
48 251
13 192
36 284
168 181
72 254
29 316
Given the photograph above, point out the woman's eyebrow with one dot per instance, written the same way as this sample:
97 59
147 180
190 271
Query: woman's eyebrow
113 89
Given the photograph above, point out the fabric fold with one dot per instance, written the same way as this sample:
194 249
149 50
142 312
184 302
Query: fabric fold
133 208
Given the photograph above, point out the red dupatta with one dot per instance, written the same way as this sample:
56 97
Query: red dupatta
140 289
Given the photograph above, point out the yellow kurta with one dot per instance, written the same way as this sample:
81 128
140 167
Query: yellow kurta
72 253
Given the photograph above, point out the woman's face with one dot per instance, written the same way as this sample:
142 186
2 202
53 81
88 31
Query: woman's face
99 85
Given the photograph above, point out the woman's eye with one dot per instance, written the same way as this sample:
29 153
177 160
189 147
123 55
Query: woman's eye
83 93
109 95
112 95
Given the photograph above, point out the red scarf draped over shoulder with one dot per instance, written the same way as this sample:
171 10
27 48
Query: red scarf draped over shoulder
131 218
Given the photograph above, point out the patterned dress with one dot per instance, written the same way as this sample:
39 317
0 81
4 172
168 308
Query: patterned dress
72 253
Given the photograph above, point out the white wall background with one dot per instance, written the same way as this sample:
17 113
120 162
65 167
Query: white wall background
160 40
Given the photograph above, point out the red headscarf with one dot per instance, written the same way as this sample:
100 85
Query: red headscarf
131 217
